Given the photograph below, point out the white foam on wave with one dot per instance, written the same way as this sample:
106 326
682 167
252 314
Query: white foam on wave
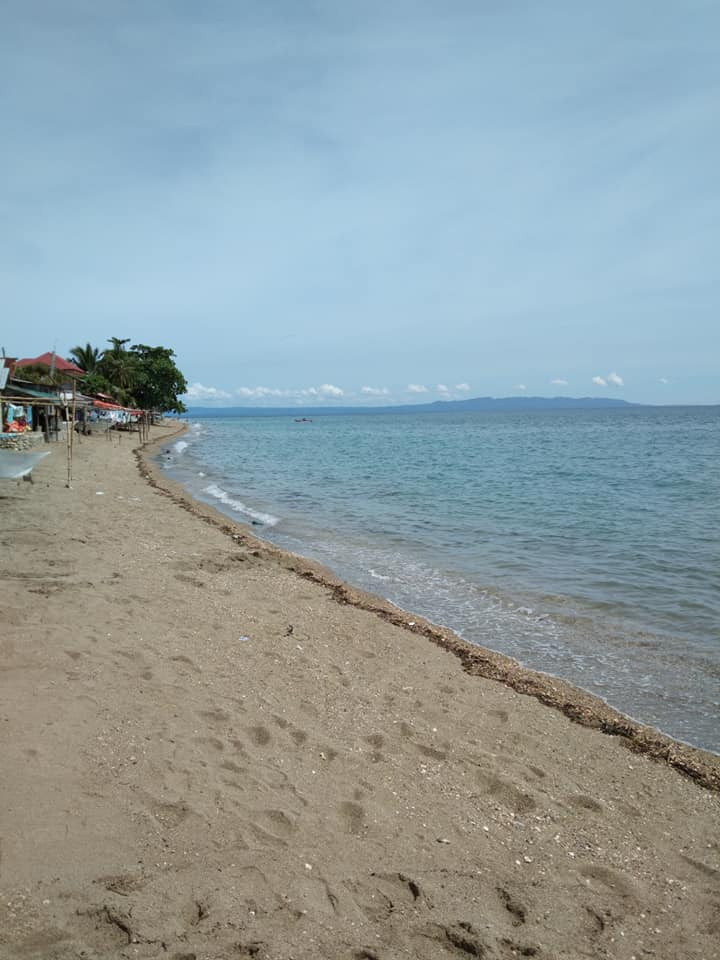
180 445
239 507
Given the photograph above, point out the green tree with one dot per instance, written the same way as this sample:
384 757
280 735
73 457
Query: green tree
117 367
93 383
157 381
40 373
140 376
86 357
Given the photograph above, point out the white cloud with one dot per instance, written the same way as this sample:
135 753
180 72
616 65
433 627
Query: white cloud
612 378
442 388
328 390
519 386
558 381
196 391
264 393
416 388
663 380
462 387
258 392
375 391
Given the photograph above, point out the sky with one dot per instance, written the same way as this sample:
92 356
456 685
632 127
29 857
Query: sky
355 201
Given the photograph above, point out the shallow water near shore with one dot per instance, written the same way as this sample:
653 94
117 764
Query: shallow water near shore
586 544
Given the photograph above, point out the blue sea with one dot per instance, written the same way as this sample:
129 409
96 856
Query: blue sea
584 543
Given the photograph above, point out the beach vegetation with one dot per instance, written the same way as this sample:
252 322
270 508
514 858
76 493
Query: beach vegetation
41 374
117 365
87 357
139 375
157 382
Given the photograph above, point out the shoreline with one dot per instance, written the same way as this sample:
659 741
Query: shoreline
578 705
213 750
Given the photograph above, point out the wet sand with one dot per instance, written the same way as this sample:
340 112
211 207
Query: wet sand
213 749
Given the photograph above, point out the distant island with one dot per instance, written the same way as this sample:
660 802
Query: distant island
490 404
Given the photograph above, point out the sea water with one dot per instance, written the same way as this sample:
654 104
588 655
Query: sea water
586 544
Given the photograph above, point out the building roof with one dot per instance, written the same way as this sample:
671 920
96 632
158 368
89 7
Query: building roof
15 389
48 360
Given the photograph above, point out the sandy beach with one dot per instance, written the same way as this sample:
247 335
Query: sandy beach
214 750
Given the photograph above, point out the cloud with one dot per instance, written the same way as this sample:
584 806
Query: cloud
443 388
259 392
519 386
663 380
613 379
197 391
416 388
262 393
590 201
462 387
324 391
558 381
375 391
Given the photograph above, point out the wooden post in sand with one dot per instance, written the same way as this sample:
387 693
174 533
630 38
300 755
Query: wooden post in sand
70 434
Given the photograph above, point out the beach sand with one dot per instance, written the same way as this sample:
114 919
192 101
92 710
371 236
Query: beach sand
211 749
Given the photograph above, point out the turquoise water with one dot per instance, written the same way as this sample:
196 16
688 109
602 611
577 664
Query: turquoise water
584 543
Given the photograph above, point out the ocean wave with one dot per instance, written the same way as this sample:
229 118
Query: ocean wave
180 445
267 519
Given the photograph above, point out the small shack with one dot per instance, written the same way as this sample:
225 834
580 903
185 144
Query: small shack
37 394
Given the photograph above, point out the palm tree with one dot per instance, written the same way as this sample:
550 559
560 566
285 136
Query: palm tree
86 357
118 365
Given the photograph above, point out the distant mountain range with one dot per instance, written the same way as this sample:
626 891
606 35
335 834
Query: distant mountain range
438 406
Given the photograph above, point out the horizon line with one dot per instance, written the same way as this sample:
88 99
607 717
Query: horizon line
207 404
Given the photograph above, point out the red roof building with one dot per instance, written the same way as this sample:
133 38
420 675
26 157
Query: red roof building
52 360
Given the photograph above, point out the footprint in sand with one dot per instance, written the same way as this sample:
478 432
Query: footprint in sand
376 740
513 907
260 736
279 822
585 803
352 816
506 793
215 716
432 752
610 879
213 742
169 814
181 658
383 893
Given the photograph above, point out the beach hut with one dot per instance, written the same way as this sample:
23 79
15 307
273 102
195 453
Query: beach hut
39 394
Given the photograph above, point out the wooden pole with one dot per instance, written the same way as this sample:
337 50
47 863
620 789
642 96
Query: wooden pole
71 430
